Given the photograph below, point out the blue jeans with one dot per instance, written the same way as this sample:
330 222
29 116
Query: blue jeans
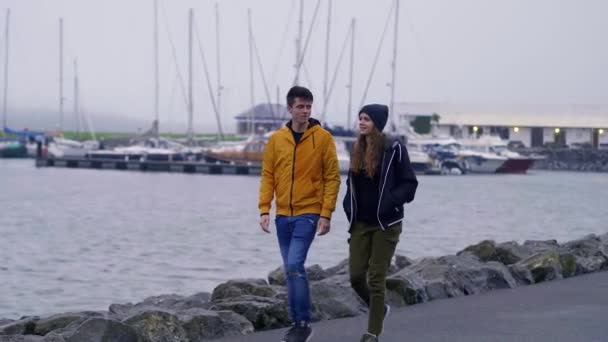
295 234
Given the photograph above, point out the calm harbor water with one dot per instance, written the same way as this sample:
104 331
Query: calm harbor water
83 239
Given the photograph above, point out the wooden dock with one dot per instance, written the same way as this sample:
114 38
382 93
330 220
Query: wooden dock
152 166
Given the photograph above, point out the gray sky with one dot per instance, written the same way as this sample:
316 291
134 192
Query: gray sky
463 51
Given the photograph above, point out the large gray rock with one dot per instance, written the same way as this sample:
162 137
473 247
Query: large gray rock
339 279
61 321
590 253
537 246
162 319
157 326
452 276
408 286
21 338
169 302
484 250
237 288
263 312
101 330
540 267
175 302
314 273
120 312
507 253
401 261
52 337
330 301
24 326
340 269
4 321
202 325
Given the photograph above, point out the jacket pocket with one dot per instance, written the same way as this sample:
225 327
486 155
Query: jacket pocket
388 207
346 205
393 233
392 198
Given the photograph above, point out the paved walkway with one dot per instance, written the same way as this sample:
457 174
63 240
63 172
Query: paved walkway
574 309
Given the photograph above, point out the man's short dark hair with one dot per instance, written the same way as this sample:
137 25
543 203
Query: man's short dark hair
297 91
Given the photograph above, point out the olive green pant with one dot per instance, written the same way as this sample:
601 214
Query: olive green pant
370 253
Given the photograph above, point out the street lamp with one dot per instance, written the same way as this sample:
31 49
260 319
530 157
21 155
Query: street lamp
516 129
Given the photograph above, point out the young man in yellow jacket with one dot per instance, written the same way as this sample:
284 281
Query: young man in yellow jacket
301 168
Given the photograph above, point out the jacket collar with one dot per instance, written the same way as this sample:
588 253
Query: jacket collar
311 123
389 141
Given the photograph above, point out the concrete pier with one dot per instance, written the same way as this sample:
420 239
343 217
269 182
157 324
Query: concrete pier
152 166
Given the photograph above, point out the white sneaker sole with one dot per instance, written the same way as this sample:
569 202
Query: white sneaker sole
388 312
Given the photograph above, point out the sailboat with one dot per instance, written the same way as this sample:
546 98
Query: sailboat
496 148
10 148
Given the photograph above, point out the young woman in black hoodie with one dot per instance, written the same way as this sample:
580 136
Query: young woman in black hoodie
380 182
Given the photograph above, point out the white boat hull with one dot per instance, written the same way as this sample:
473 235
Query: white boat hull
480 164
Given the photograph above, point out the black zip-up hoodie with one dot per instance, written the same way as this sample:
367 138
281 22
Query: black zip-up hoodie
398 186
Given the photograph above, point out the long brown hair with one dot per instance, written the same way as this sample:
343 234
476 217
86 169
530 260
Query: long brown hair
367 153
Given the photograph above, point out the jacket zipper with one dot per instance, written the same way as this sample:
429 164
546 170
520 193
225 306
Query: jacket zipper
383 186
293 169
352 199
293 176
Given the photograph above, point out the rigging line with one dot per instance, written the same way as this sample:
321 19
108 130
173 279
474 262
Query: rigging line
261 69
336 70
174 53
425 57
369 80
209 86
88 121
174 86
312 24
307 75
283 41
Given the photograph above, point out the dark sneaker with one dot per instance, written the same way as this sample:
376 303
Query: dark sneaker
288 334
367 337
298 334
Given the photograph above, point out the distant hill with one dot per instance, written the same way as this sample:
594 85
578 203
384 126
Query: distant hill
102 122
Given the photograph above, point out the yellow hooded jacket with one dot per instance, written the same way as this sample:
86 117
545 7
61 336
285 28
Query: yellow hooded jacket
305 177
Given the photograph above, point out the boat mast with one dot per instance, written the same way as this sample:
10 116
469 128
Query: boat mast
327 37
61 99
251 114
190 133
350 77
299 44
156 80
219 71
76 109
394 65
6 56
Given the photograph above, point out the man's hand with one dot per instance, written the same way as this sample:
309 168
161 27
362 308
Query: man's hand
265 222
323 226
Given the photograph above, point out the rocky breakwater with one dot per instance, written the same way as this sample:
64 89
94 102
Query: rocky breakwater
239 307
586 160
